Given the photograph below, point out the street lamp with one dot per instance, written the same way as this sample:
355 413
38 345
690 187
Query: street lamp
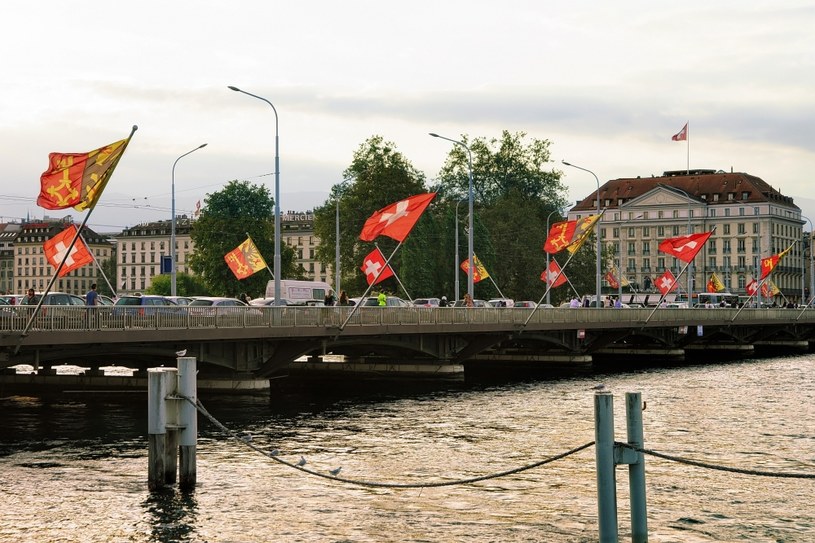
470 275
811 265
277 299
547 254
172 223
690 264
337 239
597 231
455 267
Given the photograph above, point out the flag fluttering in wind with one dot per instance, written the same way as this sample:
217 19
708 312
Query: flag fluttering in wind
682 135
78 179
550 275
611 280
245 259
666 282
714 284
371 265
768 289
56 248
396 220
752 287
768 264
685 247
480 271
569 235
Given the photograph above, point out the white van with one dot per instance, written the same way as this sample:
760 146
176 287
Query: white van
294 290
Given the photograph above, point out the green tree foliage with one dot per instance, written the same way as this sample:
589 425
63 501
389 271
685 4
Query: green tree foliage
109 269
186 285
229 215
378 176
514 195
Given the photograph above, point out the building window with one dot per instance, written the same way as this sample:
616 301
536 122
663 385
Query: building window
741 212
660 231
711 262
716 197
726 228
731 195
726 246
646 231
631 232
660 214
727 212
755 228
742 228
646 247
742 246
711 212
676 230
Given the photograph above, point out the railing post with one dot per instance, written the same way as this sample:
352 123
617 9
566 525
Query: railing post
188 421
636 470
605 466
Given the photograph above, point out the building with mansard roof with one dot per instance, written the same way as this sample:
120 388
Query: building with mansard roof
749 218
8 234
32 270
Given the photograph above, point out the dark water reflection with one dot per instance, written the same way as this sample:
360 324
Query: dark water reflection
74 467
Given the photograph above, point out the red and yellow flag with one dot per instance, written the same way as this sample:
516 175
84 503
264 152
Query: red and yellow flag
714 284
245 259
480 270
56 250
78 179
768 264
569 235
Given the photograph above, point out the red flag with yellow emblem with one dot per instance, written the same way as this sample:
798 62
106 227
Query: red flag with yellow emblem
78 179
569 235
245 259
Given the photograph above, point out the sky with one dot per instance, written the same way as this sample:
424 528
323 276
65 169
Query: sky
607 83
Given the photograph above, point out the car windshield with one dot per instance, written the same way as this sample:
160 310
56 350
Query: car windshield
201 302
128 301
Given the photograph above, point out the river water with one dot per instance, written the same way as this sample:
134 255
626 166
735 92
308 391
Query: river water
73 467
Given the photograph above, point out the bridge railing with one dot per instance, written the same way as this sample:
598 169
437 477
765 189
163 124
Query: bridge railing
159 318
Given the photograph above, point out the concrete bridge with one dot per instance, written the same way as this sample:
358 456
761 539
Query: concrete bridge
263 342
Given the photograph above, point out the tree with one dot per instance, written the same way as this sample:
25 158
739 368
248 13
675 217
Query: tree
108 269
378 176
186 285
239 210
514 195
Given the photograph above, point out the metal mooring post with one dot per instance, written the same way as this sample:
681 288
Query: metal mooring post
160 383
188 422
636 468
604 457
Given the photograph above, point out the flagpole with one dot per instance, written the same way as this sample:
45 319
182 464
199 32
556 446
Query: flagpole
394 274
687 140
70 247
105 277
758 289
367 290
496 287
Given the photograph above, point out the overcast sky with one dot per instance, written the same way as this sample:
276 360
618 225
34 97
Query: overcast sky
607 83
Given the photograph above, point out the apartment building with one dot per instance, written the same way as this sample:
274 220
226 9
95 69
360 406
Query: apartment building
8 235
32 270
297 231
749 218
141 248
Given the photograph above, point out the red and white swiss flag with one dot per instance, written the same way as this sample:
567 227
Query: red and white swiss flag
553 274
666 282
752 287
56 249
371 266
396 220
682 135
685 247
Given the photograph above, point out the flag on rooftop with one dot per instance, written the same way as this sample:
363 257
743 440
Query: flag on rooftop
396 220
682 135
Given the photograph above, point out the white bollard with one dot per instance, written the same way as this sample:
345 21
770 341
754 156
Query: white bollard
188 421
605 466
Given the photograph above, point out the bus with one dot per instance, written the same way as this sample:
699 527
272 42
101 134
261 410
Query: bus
716 299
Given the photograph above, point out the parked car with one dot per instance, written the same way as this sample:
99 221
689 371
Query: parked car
427 302
145 305
501 302
180 300
221 311
373 301
476 303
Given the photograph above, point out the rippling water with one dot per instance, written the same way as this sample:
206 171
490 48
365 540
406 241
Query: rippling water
74 467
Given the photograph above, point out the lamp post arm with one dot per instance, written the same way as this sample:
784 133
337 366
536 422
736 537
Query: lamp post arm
172 223
597 231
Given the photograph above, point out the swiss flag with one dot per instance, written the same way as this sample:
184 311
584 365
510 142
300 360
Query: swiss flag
685 247
553 274
56 249
752 287
374 262
682 135
397 220
666 282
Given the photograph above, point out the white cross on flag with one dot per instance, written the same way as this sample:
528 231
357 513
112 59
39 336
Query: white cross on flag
396 220
56 250
374 262
666 282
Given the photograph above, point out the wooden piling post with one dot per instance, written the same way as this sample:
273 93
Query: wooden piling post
188 422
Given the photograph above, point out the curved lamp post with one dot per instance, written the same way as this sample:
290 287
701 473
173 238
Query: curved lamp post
277 300
471 274
599 247
172 224
455 264
337 239
548 290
